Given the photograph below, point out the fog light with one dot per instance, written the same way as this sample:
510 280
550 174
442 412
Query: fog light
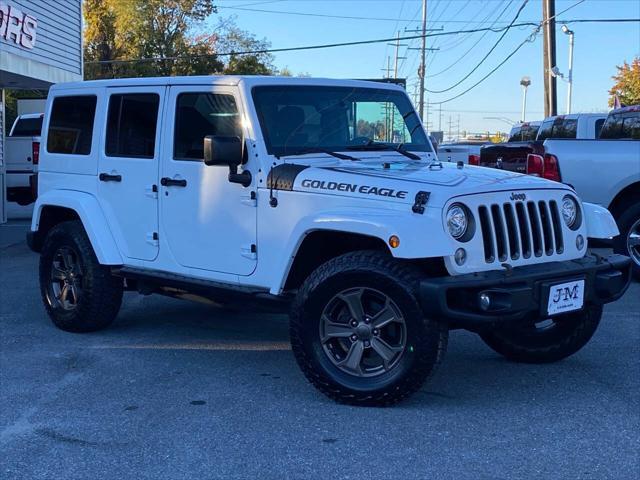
579 242
485 301
460 256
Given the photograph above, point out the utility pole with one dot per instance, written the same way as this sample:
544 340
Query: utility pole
423 48
549 57
423 51
449 127
397 44
440 118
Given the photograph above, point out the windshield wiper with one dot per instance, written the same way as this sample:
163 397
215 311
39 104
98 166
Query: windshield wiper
371 146
304 151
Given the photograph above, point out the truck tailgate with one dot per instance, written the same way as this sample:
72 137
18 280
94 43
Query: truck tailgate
508 156
19 153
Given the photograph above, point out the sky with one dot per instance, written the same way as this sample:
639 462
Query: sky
492 105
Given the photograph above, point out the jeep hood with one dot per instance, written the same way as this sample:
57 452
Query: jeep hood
386 178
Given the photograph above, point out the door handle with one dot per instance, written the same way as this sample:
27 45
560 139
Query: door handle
106 177
171 182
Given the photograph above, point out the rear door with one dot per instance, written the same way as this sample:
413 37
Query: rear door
128 168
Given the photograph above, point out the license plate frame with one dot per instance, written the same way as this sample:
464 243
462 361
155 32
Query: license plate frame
564 296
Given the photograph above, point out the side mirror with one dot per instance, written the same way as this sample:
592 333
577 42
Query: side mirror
219 150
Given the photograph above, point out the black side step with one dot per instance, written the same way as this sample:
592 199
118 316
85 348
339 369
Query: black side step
217 291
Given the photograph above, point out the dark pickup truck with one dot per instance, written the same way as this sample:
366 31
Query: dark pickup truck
514 154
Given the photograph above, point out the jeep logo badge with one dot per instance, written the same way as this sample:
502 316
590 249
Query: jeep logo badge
517 196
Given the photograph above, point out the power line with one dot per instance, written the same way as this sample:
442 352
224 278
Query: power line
350 44
529 39
524 4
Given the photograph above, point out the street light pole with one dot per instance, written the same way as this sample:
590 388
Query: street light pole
566 30
525 82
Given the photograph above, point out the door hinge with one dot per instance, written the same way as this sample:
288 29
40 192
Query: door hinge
249 251
250 200
152 238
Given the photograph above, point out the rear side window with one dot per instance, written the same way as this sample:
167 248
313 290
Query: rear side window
71 125
131 125
558 128
622 126
27 127
199 115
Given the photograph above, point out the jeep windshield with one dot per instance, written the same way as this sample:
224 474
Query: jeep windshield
299 119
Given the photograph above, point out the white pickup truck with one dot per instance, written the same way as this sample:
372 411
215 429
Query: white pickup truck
605 171
295 193
22 152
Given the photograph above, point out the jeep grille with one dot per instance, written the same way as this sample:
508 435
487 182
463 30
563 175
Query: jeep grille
520 229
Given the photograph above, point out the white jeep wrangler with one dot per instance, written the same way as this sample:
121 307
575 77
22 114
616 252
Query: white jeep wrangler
320 197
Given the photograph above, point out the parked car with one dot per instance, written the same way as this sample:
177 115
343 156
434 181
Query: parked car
22 151
524 132
512 156
282 192
604 171
460 151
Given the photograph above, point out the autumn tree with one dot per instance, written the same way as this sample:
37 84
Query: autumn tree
627 84
134 38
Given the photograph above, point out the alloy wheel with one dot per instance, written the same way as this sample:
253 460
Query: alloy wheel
363 332
633 242
66 278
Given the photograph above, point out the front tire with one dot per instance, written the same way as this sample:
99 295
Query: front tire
359 334
79 294
545 340
628 242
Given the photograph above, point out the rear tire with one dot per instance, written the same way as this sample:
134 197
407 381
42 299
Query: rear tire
628 242
79 294
363 306
531 343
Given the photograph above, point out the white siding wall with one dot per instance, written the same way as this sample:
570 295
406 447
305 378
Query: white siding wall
58 35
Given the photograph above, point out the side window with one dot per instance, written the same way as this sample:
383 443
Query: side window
631 126
612 127
567 129
71 125
599 124
545 130
131 125
199 115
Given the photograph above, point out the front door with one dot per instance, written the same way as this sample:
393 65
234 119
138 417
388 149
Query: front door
209 223
128 168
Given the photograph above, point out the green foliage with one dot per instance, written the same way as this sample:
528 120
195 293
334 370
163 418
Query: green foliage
627 84
165 34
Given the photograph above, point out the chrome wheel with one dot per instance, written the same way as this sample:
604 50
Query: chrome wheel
633 242
66 279
363 332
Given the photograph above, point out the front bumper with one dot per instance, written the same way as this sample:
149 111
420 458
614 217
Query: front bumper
521 291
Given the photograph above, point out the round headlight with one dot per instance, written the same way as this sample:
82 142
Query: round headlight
569 211
457 221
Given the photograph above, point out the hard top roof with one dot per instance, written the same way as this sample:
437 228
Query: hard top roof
223 80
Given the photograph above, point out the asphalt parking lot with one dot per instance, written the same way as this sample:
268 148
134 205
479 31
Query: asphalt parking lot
183 390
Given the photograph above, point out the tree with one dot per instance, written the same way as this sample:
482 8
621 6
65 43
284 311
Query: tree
161 37
230 38
627 84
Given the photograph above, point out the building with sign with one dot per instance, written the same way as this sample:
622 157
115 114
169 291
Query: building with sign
40 44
